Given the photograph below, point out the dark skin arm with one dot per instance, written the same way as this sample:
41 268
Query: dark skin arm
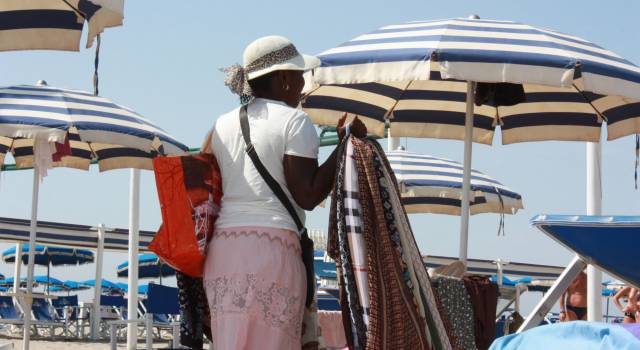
308 182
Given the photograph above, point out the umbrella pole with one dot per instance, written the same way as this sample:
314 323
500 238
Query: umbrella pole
393 143
97 290
466 178
32 246
607 319
132 305
594 207
16 268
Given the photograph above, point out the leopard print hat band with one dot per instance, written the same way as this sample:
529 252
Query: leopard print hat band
237 76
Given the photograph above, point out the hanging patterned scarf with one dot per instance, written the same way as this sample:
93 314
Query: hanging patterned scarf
402 311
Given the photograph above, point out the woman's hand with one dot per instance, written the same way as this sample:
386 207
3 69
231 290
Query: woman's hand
357 127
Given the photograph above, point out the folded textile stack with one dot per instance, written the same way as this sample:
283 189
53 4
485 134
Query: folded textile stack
387 299
456 304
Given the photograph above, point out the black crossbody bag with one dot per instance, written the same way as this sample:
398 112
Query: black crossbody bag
306 244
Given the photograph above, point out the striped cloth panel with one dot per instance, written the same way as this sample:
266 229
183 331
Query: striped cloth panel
414 74
55 24
435 108
96 128
434 185
69 235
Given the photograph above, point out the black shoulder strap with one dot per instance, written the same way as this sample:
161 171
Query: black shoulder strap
271 182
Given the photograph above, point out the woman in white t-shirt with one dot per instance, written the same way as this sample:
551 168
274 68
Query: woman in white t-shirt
254 276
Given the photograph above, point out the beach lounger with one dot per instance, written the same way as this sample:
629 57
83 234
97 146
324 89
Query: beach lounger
9 314
113 308
67 310
8 311
46 318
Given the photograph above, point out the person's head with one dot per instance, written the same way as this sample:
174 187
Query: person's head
272 68
281 85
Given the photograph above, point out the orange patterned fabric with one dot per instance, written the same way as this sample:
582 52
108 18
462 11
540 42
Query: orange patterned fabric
189 190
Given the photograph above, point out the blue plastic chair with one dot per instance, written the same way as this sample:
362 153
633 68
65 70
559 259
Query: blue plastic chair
161 310
69 302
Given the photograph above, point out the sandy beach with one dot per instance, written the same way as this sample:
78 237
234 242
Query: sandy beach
76 345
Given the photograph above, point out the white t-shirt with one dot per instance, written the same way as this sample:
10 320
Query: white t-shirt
276 130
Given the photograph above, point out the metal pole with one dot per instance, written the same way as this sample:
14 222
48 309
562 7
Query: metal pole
97 290
392 142
466 179
32 246
16 268
132 305
594 207
560 286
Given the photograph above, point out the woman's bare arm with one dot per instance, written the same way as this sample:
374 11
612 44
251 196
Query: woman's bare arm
309 183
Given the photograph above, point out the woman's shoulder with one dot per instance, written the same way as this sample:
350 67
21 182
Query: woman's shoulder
226 118
284 109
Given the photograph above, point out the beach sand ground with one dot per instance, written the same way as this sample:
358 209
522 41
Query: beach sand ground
75 345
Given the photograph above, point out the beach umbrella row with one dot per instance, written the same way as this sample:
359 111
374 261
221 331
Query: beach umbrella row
48 256
535 83
46 127
63 128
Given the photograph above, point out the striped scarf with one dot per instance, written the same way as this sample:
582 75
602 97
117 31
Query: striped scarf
396 300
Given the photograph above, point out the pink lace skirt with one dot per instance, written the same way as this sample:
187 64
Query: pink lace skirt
255 284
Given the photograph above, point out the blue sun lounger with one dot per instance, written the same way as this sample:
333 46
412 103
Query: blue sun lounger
46 318
9 314
67 310
158 310
607 242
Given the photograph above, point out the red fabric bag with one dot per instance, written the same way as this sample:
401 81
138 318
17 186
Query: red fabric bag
189 190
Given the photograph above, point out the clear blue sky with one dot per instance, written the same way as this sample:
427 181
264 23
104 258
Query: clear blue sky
164 64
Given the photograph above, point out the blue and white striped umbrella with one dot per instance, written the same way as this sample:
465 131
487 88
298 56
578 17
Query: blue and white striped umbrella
105 285
149 266
51 256
413 74
434 185
70 235
96 128
421 77
69 286
55 24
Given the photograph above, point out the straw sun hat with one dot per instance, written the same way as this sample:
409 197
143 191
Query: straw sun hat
263 56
